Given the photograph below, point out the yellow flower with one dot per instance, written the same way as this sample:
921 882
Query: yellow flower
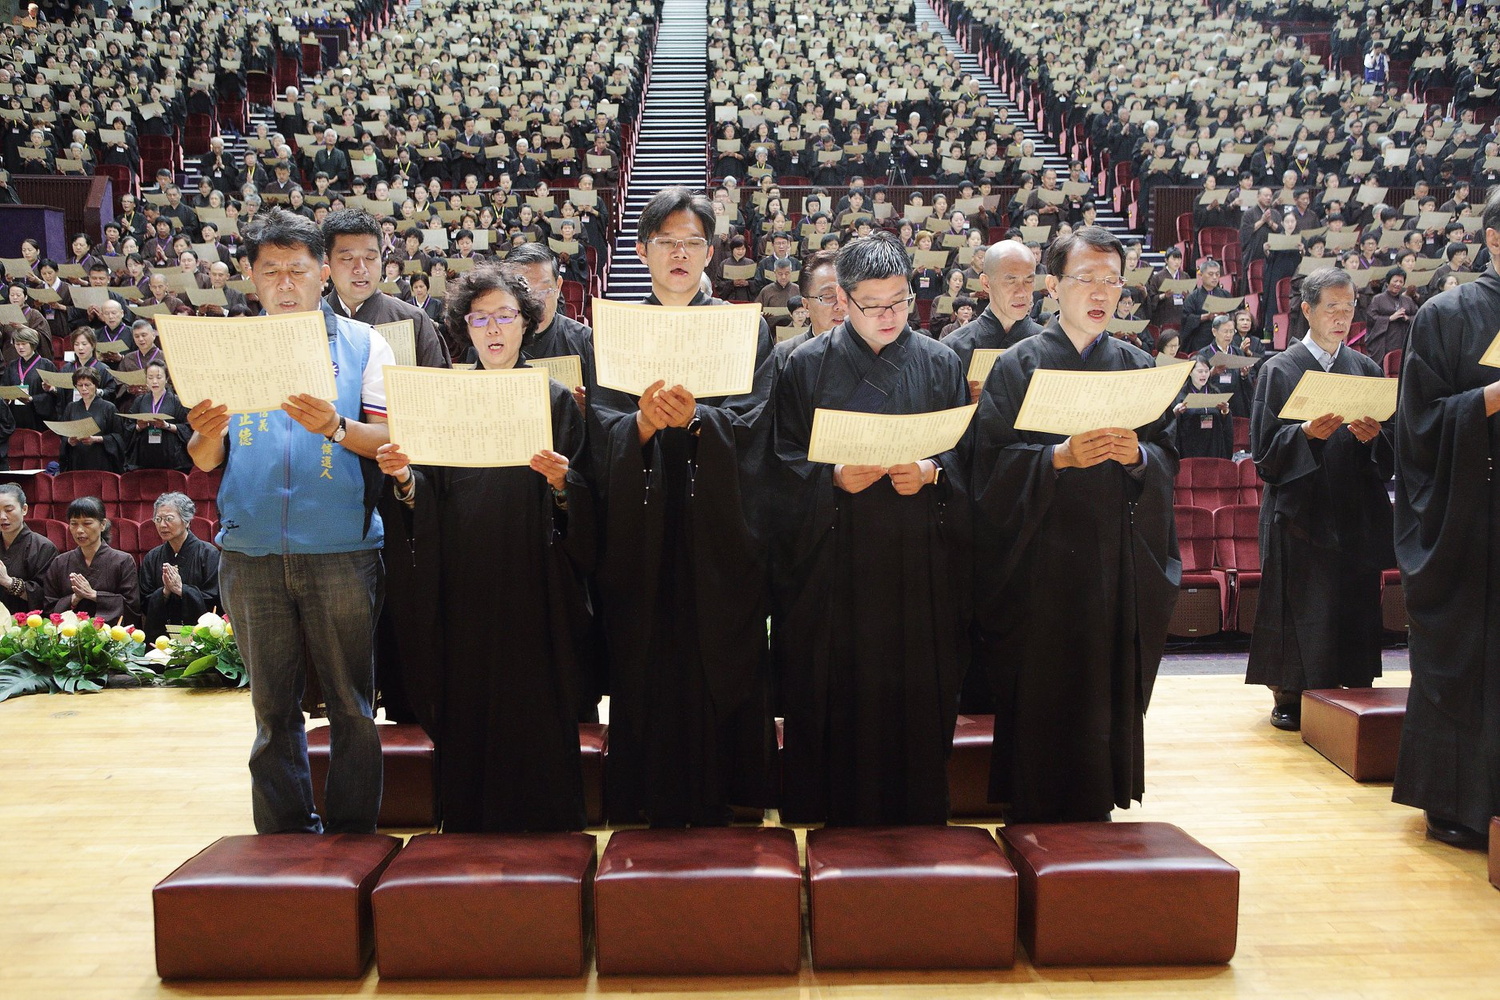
162 642
228 629
68 631
137 636
119 633
36 621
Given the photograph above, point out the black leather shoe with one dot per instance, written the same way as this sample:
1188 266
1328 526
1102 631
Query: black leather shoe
1288 717
1455 834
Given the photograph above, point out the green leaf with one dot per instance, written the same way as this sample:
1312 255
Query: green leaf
199 665
17 679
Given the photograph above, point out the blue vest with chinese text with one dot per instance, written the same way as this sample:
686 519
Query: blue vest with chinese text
287 490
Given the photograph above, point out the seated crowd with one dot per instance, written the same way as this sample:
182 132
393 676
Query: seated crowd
1364 144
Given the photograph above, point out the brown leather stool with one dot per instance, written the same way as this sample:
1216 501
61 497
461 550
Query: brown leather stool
1122 894
1359 729
593 747
409 795
969 768
277 906
1495 852
706 901
485 906
920 897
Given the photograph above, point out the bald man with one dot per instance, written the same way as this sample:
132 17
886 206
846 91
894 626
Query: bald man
1008 277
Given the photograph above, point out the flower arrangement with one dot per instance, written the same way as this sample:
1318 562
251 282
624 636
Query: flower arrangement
201 654
68 653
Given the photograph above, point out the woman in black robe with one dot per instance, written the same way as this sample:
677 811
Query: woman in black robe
24 370
25 554
158 444
1325 520
104 449
179 579
872 579
1202 433
92 578
53 403
504 694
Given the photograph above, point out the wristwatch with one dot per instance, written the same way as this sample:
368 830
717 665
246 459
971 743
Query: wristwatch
339 432
695 426
937 474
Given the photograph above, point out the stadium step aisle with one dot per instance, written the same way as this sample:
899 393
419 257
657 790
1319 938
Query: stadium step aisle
673 137
928 19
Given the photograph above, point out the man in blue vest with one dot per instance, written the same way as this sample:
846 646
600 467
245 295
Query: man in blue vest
301 572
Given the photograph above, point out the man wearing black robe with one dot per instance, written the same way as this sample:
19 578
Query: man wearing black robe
353 238
818 282
682 574
1076 562
872 583
557 335
1325 517
180 577
1448 546
1009 278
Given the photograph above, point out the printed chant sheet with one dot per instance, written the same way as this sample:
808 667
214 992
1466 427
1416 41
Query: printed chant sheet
469 420
566 368
402 336
983 362
1068 403
1349 396
846 437
708 350
249 364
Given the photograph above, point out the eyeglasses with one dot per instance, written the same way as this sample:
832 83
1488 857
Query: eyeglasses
827 299
165 518
501 317
881 312
694 244
1105 281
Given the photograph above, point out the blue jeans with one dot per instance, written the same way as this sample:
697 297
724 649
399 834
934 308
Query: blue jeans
287 610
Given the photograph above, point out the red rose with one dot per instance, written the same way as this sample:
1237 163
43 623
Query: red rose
56 619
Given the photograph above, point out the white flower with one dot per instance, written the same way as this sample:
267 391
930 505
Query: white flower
209 618
157 656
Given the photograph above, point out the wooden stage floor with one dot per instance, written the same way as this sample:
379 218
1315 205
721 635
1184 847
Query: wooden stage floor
1342 895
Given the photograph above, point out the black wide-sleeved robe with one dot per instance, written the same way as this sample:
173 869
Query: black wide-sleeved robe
872 594
1076 576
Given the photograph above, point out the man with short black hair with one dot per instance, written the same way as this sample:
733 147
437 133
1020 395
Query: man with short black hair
872 588
300 570
1068 527
682 574
353 240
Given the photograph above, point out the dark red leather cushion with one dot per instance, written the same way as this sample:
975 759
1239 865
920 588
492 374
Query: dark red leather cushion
409 795
910 898
701 901
278 906
1359 729
969 768
1495 852
593 747
475 905
1122 894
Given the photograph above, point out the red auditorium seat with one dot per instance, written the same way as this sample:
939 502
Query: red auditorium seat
1391 364
1241 433
1250 483
38 488
1237 549
125 535
54 531
1207 483
67 486
1201 604
26 450
259 88
140 488
203 528
203 490
1213 239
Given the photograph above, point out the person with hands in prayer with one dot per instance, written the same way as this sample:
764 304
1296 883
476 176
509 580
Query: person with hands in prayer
682 575
301 572
179 579
24 554
503 706
1088 516
92 578
1325 517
